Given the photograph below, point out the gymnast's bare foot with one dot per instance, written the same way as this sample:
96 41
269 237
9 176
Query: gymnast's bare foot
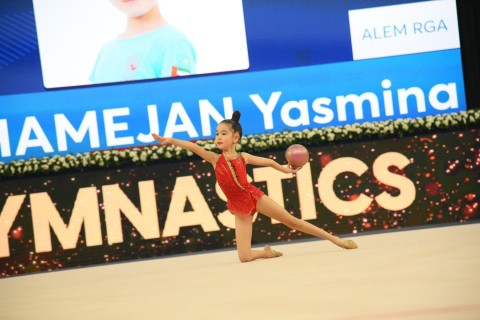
346 243
272 253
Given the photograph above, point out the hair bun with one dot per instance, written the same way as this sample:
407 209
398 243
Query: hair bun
236 116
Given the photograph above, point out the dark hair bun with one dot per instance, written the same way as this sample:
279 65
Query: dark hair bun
236 116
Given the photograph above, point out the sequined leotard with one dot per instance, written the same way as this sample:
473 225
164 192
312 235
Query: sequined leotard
241 196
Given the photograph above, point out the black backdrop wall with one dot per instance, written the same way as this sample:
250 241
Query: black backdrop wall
469 17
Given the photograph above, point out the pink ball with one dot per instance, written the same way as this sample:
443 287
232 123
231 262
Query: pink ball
296 155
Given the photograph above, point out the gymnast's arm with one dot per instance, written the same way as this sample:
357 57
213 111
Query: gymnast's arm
208 156
265 162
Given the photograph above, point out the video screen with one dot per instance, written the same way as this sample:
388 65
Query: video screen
286 65
86 42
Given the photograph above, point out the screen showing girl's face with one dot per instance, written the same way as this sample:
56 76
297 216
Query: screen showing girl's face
215 30
309 64
134 8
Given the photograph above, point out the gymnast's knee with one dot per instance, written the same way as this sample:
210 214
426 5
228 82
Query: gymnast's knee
244 257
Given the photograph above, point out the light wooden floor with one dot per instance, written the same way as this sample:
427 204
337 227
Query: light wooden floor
417 274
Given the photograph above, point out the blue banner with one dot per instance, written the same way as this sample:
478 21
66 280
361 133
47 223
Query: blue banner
123 115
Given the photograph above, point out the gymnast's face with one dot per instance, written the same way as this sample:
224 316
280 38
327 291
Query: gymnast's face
135 8
225 137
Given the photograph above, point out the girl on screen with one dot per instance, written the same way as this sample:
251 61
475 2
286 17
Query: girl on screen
148 48
244 199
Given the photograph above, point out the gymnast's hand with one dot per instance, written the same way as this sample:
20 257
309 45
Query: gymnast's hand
164 141
291 169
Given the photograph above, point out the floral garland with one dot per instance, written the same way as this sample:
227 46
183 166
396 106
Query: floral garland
251 143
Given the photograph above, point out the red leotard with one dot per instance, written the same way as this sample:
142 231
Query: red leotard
241 196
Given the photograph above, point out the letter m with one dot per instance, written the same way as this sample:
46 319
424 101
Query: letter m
357 102
89 124
45 215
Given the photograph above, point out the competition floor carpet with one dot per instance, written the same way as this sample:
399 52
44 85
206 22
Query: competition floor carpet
431 273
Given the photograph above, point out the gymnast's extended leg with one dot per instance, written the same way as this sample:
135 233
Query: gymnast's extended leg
273 210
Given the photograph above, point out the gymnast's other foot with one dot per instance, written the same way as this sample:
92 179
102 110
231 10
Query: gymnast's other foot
346 244
272 253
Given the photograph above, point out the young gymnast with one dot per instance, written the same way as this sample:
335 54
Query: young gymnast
244 199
